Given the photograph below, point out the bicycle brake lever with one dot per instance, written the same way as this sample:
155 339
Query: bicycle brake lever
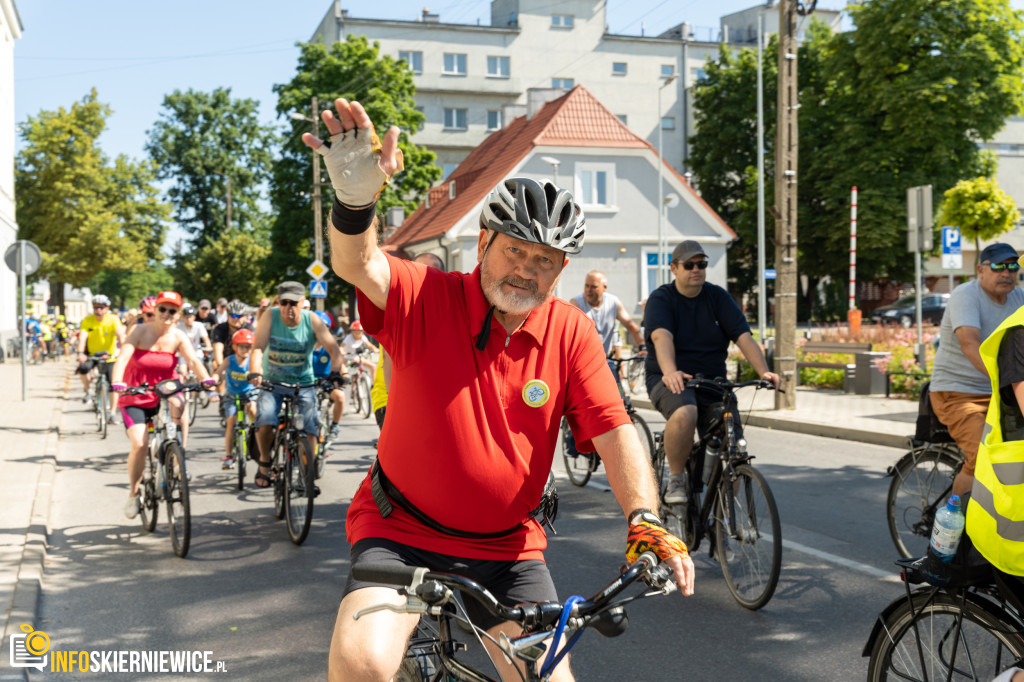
410 606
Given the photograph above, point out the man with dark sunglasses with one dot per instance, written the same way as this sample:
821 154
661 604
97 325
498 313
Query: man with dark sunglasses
237 318
960 387
689 323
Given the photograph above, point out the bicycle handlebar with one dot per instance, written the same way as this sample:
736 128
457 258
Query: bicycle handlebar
162 391
434 589
723 384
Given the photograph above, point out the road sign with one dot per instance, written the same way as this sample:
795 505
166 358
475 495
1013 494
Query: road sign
33 258
318 289
952 248
919 219
317 270
769 273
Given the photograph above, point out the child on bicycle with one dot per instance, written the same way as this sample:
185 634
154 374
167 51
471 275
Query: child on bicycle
234 386
321 369
356 341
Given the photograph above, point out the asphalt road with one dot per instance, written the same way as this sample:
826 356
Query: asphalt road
266 608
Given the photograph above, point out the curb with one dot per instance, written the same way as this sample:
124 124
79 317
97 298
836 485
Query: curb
766 420
29 584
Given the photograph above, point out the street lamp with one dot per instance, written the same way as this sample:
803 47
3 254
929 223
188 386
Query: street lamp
318 237
661 189
554 165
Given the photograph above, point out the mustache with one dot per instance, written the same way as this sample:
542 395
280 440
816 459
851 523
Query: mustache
521 283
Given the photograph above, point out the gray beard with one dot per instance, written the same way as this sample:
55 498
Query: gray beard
512 303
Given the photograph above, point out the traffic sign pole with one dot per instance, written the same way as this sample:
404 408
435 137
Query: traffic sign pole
23 327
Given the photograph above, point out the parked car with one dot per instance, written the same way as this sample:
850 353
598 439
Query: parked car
902 312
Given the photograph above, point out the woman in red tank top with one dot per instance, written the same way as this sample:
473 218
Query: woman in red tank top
148 356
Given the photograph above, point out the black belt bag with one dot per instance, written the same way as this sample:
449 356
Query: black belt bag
385 493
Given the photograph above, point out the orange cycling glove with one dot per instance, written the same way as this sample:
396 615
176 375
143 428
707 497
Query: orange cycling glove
646 536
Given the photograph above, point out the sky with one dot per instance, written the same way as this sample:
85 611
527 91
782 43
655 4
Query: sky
135 52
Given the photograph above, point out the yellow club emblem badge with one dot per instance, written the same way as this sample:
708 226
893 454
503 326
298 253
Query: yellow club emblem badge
536 393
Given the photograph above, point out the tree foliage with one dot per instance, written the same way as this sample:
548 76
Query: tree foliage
84 211
201 140
979 208
228 266
902 100
127 287
355 70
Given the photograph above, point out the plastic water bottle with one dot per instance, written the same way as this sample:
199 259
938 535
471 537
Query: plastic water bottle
948 527
712 454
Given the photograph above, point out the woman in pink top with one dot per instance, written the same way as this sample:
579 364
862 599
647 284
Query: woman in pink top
148 355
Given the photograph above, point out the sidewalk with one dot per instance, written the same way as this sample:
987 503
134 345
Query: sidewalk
28 452
820 412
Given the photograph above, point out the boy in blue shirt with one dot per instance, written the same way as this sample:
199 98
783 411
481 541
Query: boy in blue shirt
234 370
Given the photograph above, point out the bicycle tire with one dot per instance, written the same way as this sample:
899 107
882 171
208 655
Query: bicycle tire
988 641
751 560
179 511
193 407
148 502
326 412
204 398
277 479
365 403
635 377
643 432
578 467
299 490
238 452
920 481
102 406
660 468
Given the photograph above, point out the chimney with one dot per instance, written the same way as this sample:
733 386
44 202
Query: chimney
509 112
428 17
536 98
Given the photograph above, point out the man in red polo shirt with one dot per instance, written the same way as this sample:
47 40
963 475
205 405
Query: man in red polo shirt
484 367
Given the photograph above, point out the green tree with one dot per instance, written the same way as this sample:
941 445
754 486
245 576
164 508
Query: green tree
201 141
127 287
227 266
85 212
980 209
355 70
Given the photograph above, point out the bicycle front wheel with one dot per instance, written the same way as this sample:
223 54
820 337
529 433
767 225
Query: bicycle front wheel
944 641
193 405
748 537
635 377
179 512
277 476
148 502
921 481
578 466
102 407
365 404
238 451
298 489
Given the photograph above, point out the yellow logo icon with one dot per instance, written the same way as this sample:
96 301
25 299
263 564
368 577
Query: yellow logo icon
28 650
536 393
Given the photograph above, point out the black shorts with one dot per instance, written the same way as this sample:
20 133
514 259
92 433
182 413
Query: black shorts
511 582
103 367
667 402
379 416
133 414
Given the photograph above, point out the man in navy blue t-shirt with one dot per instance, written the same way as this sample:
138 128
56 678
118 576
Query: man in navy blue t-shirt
689 324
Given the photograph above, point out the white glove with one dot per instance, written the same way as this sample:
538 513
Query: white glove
353 163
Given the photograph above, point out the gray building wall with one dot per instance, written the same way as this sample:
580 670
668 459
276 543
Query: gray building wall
10 30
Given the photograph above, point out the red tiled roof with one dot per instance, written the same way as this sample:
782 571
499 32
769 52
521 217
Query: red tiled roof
576 119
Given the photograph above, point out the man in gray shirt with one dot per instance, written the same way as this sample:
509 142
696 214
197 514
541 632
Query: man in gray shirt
604 309
960 385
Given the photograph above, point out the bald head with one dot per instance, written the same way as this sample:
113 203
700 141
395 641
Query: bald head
431 260
594 287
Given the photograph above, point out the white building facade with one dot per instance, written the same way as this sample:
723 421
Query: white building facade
10 30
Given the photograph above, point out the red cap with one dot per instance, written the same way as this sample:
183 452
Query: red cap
172 297
357 326
242 336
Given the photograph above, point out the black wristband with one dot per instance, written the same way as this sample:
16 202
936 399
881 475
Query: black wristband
352 221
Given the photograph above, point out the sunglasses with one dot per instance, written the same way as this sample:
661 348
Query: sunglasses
163 310
235 317
204 308
690 265
287 304
999 267
99 307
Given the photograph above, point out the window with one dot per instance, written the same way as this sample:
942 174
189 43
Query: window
699 74
668 123
455 119
447 169
618 68
595 185
413 59
623 118
564 83
668 70
494 119
497 67
561 20
454 64
650 270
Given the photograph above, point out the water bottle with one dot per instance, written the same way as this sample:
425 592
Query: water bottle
948 527
711 455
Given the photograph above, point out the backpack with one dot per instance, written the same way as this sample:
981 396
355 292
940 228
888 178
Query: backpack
929 428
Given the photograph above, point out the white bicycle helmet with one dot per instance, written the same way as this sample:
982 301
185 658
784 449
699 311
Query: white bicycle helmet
100 299
535 211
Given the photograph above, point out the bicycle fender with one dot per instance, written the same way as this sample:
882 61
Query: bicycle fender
907 457
878 627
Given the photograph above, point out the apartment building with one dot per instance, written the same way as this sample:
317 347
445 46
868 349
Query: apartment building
473 79
10 30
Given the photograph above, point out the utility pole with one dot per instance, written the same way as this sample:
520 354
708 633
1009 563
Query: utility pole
228 178
786 149
318 217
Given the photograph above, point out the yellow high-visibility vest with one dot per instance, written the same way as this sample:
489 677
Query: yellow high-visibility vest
995 515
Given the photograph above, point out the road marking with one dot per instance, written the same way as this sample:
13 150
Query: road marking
889 576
